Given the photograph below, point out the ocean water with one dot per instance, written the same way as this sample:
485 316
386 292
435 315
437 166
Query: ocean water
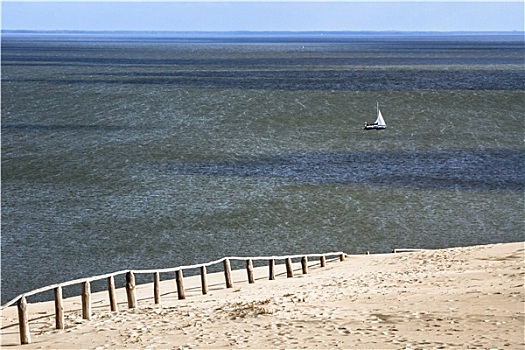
154 151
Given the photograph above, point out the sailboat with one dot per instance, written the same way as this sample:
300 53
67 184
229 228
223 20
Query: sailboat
379 124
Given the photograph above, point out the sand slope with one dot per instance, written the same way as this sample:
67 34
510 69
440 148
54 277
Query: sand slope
460 298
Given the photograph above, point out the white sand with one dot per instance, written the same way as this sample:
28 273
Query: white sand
458 298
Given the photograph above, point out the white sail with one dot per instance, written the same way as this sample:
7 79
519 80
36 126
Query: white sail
379 124
380 121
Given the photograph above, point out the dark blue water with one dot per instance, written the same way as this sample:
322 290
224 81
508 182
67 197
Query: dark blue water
157 151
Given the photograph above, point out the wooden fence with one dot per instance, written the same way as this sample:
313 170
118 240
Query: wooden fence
23 309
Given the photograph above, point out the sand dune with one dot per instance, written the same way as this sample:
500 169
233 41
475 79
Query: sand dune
470 297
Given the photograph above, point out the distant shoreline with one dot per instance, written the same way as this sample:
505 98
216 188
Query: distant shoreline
265 36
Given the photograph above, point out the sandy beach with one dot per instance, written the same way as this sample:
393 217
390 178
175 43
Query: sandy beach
459 298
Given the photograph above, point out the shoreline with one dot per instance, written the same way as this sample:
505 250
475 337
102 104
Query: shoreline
456 297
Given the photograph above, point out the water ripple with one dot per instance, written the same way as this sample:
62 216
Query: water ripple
487 170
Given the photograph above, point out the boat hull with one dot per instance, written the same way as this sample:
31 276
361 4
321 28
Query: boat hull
374 127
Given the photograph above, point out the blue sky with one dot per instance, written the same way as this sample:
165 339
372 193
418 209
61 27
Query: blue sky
250 15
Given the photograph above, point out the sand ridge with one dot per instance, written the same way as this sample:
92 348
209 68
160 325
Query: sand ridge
460 298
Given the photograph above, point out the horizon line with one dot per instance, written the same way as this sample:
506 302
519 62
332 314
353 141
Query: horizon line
255 31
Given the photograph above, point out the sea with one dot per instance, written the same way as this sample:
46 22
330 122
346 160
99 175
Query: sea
156 150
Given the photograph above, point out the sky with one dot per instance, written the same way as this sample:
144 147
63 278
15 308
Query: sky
269 15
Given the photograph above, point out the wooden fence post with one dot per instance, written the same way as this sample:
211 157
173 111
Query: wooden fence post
130 290
323 261
180 284
23 321
156 287
59 308
304 264
112 295
86 300
289 270
249 268
228 273
271 266
203 280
